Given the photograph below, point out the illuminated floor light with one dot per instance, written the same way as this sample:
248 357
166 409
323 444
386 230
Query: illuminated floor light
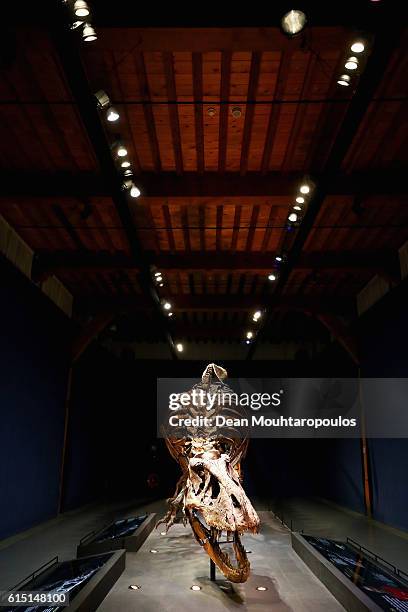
195 587
261 588
134 587
163 532
153 551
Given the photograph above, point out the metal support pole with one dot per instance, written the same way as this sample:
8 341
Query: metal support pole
212 570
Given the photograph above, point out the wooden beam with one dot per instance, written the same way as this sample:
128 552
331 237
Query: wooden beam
191 184
173 110
147 110
202 303
89 333
215 261
254 72
198 110
224 108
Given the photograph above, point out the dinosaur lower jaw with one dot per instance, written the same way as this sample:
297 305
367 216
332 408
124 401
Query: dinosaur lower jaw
208 538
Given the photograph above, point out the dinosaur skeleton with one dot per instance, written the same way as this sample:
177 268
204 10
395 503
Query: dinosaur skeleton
209 493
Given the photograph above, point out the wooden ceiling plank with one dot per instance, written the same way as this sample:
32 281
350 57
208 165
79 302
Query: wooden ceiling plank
250 110
147 110
168 64
224 96
198 109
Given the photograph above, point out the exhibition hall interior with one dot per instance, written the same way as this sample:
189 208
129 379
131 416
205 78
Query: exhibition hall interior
204 202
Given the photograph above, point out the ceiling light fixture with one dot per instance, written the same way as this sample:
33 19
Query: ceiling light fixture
257 315
271 277
179 347
352 63
134 191
357 46
293 217
250 335
344 80
293 22
278 258
121 151
112 114
166 305
304 188
300 200
81 9
89 33
296 207
125 164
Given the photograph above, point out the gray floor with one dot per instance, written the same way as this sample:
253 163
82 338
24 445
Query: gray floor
166 577
317 517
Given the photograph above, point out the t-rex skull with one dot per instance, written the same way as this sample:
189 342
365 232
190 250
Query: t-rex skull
209 492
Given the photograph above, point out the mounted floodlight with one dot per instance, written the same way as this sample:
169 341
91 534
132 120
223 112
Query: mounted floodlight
352 63
134 191
344 80
358 46
102 98
300 200
125 164
121 150
293 217
112 114
293 22
89 33
81 9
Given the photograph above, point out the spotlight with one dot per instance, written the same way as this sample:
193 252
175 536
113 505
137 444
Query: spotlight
261 588
81 9
278 258
257 315
357 46
352 63
121 151
170 314
128 172
179 347
250 335
272 277
134 191
293 217
344 80
195 587
159 278
300 200
89 33
102 98
304 189
157 274
247 342
167 306
125 164
296 207
112 114
134 587
293 22
162 285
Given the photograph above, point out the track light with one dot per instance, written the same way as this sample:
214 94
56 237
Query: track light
304 189
134 191
112 114
81 9
125 164
128 172
296 207
300 200
167 306
159 278
357 46
272 277
278 258
293 217
89 33
247 342
293 22
257 315
76 24
249 335
102 98
121 151
170 314
179 347
352 63
344 80
157 274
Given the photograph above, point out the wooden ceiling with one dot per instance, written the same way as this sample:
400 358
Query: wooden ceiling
216 188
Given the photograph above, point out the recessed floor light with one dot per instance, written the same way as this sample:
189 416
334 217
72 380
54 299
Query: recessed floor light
134 587
153 551
163 532
195 587
261 588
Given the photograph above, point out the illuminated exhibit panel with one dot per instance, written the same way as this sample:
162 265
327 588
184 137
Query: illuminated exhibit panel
85 581
121 528
386 590
209 493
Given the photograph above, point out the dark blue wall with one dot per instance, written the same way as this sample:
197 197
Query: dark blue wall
33 376
384 344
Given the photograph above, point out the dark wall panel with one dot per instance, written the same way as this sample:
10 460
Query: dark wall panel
33 374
